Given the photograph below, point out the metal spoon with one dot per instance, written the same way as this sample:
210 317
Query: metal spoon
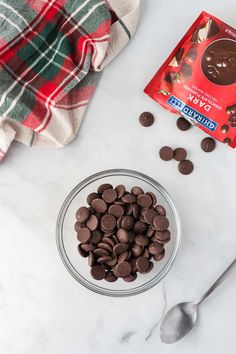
181 318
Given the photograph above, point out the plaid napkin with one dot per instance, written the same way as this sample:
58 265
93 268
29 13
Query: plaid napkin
51 56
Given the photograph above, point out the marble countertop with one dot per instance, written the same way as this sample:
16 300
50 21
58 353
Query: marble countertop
42 308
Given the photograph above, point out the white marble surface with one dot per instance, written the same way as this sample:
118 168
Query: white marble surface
42 309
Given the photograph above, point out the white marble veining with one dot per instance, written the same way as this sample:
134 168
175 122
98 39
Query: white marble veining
42 309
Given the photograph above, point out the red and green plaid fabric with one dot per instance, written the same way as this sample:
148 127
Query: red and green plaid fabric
51 55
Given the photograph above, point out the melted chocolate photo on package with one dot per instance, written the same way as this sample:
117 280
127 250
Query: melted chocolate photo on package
198 80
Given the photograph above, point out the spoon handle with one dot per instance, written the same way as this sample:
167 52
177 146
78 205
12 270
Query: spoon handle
221 278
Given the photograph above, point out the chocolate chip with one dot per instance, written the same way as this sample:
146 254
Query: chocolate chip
113 262
99 205
163 236
142 264
151 265
128 198
120 248
127 222
158 257
105 246
92 223
142 240
160 223
96 237
84 234
120 190
108 241
110 277
98 272
154 199
137 250
146 119
129 209
108 222
166 153
208 144
122 235
109 195
99 252
183 124
150 231
103 187
140 227
135 210
82 214
131 277
185 167
78 226
123 269
91 197
155 248
82 252
104 259
87 247
149 215
116 210
160 210
123 257
144 200
180 154
137 190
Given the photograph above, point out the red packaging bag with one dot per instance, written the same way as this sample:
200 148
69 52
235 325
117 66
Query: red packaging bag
198 80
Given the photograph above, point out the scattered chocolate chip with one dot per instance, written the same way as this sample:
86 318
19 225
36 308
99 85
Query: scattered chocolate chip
122 235
185 167
183 124
155 248
208 144
166 153
116 210
180 154
146 119
137 190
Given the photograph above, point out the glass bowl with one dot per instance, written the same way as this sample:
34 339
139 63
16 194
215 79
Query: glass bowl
67 241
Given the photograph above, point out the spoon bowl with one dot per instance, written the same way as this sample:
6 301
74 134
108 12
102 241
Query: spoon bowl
178 321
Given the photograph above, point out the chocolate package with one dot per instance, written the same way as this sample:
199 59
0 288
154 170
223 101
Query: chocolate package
198 80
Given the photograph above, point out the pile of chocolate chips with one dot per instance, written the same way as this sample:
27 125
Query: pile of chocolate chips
121 232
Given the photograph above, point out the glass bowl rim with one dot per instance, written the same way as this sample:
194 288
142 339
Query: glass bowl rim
59 233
